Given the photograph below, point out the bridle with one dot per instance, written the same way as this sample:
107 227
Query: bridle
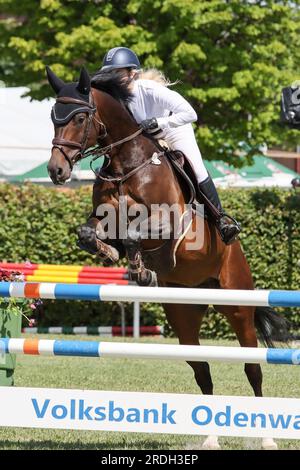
83 152
59 143
98 151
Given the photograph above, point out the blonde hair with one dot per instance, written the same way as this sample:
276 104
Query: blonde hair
156 75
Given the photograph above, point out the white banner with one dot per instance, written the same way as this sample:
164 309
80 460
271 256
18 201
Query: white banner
150 412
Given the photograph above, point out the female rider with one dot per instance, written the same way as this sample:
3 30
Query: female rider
167 115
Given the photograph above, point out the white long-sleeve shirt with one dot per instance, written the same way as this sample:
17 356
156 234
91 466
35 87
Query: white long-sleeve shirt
151 99
174 116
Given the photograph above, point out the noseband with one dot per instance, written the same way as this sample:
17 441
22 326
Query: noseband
81 146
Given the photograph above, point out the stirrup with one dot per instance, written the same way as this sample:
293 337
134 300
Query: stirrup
235 222
235 227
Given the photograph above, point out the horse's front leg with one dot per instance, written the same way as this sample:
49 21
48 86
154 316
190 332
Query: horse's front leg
137 270
90 238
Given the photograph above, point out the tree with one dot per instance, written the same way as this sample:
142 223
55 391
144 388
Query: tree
232 57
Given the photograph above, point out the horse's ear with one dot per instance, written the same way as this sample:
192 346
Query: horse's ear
84 84
54 81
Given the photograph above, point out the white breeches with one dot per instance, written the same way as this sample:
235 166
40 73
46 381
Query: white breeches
183 138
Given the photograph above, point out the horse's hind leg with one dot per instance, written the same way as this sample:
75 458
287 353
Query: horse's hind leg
185 321
242 322
241 318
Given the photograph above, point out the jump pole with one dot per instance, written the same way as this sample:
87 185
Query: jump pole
149 351
275 298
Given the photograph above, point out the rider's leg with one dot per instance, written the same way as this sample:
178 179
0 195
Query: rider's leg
227 227
183 138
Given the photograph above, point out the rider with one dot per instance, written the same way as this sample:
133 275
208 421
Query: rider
167 115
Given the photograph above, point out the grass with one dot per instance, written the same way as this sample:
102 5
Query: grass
137 375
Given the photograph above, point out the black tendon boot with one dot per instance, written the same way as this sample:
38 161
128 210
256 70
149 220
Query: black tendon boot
227 227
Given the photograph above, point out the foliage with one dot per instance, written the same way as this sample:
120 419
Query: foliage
10 307
40 226
232 58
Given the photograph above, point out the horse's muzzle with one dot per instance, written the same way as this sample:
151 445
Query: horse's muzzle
58 174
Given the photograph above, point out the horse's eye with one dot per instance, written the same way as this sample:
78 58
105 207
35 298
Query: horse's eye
81 120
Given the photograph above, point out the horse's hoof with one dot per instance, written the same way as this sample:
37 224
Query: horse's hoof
211 443
87 239
84 247
153 281
269 444
147 279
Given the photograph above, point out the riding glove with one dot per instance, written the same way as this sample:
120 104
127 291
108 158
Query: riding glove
149 124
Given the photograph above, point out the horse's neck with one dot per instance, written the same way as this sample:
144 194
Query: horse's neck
130 155
120 124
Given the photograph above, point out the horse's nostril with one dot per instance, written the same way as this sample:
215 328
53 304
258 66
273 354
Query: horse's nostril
59 171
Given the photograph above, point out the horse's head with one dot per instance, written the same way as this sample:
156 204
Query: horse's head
76 127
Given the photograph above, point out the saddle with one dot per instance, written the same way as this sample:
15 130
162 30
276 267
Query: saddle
186 175
185 172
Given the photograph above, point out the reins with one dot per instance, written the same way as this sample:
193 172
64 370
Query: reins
97 151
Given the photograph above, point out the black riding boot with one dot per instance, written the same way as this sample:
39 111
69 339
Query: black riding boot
227 227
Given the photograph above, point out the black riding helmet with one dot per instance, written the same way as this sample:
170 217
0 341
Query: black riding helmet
118 58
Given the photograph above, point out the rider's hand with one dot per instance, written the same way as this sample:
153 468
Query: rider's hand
149 124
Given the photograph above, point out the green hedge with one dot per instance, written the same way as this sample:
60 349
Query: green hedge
39 223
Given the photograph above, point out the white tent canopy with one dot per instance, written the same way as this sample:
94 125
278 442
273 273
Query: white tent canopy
26 131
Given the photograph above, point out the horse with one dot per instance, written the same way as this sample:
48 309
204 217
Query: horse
94 114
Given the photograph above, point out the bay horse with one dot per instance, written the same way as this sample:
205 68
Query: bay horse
95 114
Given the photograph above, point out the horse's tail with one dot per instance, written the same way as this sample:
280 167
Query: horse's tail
271 326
